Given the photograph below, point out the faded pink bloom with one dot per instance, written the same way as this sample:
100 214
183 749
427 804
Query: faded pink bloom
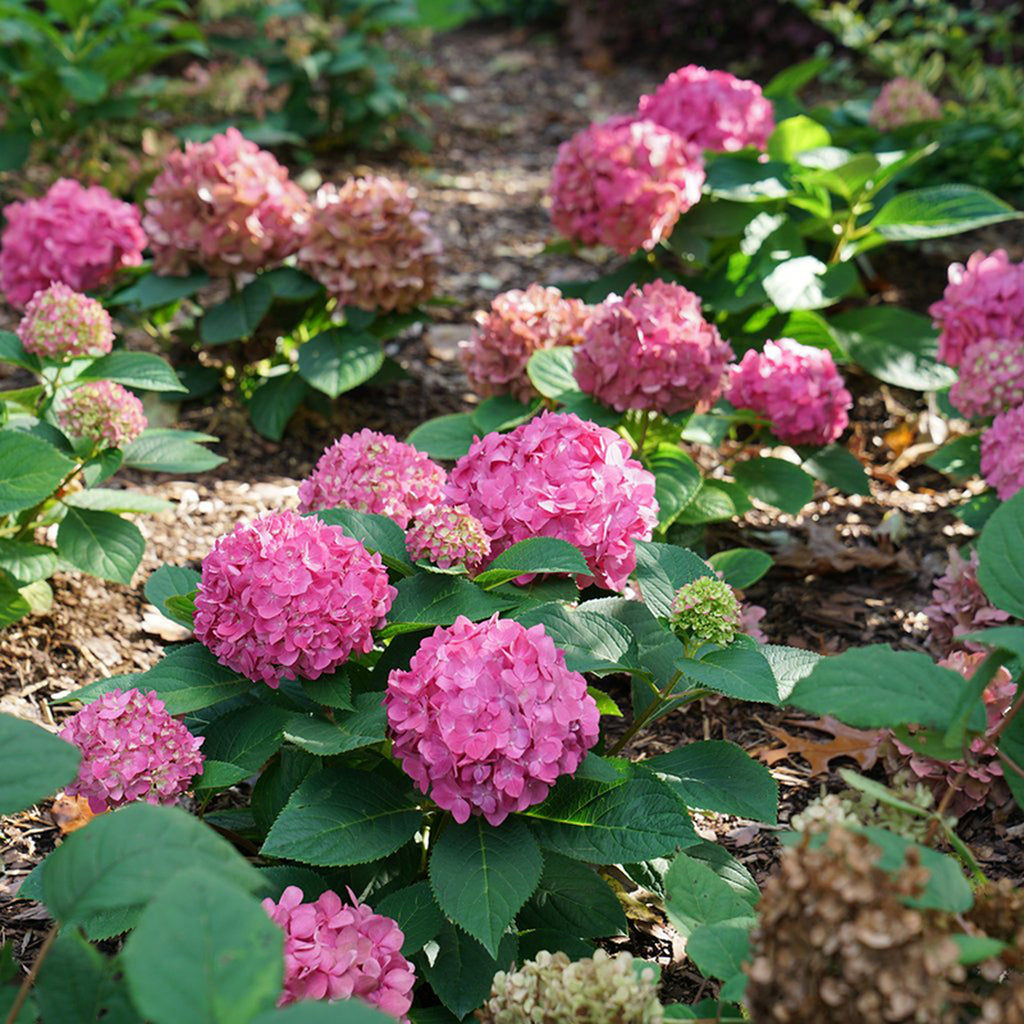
224 206
1002 453
991 377
132 749
102 412
445 535
796 387
370 246
901 102
518 324
76 235
712 109
959 606
335 950
61 324
750 621
624 183
652 349
287 597
372 472
560 476
487 717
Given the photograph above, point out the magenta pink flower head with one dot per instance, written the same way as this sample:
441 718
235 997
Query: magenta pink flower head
797 387
991 377
1002 453
624 183
487 717
284 597
446 535
224 206
370 246
61 324
901 102
518 324
102 412
335 950
959 606
712 109
372 472
79 236
132 749
560 476
652 349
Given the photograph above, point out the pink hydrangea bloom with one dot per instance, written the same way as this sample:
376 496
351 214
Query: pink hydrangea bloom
901 102
991 377
712 109
959 605
750 621
79 236
652 349
446 535
797 387
560 476
370 246
225 206
518 324
60 324
132 749
372 472
487 717
335 950
984 299
286 596
1002 453
624 183
102 412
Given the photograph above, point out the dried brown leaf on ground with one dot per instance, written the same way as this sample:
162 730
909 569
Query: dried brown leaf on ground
859 744
824 552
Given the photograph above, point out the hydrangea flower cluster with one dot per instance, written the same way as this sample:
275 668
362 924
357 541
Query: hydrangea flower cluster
446 535
370 246
901 102
1002 453
797 388
959 605
225 206
335 950
712 109
61 324
373 472
652 349
102 412
559 476
624 183
286 596
707 611
79 236
518 324
487 717
132 749
991 377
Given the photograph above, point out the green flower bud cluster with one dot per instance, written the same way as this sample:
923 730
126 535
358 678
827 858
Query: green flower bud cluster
706 611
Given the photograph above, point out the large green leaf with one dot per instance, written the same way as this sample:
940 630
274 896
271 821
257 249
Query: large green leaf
135 370
171 451
364 727
171 581
721 948
746 180
716 501
940 210
26 562
775 482
35 764
431 599
417 914
534 555
837 467
460 970
795 135
1011 745
551 372
738 672
661 569
103 499
339 360
79 985
696 895
377 533
237 316
789 665
677 480
246 737
805 282
741 567
592 642
445 437
30 470
152 291
12 351
1001 557
274 403
100 543
574 900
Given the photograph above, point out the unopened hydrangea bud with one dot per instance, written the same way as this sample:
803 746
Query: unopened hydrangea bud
102 412
707 611
61 324
1002 453
901 102
446 535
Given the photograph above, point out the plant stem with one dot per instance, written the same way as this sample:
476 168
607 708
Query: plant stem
645 424
30 979
646 715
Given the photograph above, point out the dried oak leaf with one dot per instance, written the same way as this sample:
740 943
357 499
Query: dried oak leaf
859 744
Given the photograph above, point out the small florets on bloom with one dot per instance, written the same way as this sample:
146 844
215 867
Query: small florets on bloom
225 206
79 236
445 535
652 349
287 597
624 183
1002 453
518 324
959 605
102 412
707 611
335 950
372 472
903 101
60 324
991 377
560 476
370 246
487 717
132 749
712 109
797 387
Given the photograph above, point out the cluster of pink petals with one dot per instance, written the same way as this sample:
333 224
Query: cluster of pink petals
560 476
288 596
487 717
984 299
624 183
959 605
652 349
991 377
370 246
373 472
1002 453
750 621
225 206
132 749
901 102
79 236
518 324
335 950
102 412
711 109
446 535
60 324
796 387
